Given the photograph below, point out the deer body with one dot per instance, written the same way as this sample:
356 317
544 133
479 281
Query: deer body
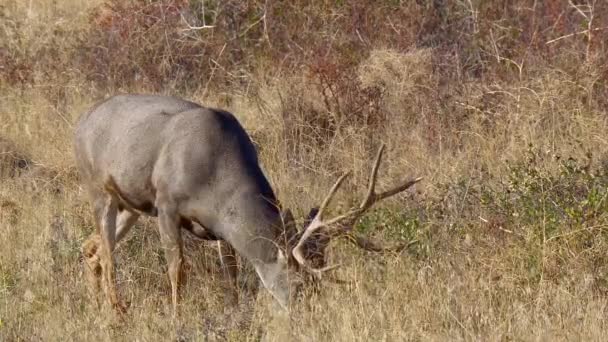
195 168
173 159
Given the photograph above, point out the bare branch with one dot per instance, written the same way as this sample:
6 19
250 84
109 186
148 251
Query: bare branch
193 28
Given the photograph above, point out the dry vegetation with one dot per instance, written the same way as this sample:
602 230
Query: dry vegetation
502 106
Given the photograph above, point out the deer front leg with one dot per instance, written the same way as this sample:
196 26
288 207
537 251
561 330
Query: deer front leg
170 234
230 271
91 250
108 242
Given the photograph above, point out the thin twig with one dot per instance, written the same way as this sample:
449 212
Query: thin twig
193 28
213 72
574 34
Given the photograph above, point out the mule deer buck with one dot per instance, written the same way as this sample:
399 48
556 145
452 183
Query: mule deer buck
195 168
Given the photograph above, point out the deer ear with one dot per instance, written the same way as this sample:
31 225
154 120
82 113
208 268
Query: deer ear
281 259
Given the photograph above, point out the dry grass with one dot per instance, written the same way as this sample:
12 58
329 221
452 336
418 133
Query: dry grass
511 233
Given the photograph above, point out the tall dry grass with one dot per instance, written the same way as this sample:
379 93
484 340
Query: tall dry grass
501 108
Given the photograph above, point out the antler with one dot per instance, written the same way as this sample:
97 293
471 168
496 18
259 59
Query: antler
351 216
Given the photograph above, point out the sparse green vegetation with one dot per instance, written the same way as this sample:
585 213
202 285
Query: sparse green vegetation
501 106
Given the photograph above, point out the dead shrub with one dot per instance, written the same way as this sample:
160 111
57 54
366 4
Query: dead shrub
43 179
138 41
12 161
10 211
28 175
159 45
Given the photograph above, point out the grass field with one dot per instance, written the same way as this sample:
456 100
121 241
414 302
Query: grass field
502 108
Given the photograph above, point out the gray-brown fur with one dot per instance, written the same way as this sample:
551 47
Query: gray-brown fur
196 168
167 157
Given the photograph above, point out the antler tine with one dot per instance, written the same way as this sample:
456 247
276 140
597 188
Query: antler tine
366 204
315 224
369 199
318 272
330 195
373 176
396 190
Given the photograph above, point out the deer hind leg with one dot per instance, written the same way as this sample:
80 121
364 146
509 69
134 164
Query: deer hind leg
170 234
230 271
108 243
92 247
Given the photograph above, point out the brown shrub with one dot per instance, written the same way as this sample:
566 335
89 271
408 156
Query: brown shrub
28 175
159 45
137 41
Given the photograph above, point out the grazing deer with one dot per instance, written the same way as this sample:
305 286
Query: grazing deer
196 168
